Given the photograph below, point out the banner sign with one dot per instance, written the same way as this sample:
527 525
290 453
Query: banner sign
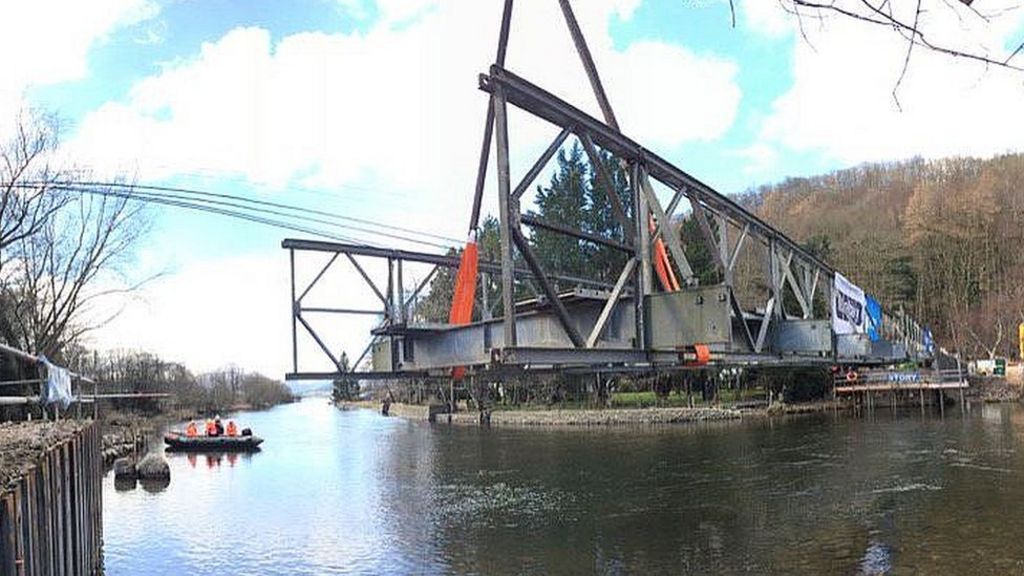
848 307
874 311
929 342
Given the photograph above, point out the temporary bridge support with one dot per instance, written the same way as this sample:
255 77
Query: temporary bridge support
625 326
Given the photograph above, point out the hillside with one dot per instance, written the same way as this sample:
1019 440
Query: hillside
942 237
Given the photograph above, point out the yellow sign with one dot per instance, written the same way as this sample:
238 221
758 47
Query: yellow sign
1020 338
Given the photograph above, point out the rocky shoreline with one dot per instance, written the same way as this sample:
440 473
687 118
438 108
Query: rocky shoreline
557 417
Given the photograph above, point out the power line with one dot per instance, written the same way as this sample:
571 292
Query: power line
213 210
238 198
237 206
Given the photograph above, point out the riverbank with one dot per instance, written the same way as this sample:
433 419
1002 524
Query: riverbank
649 415
558 417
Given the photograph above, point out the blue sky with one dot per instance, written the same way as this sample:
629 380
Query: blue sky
369 109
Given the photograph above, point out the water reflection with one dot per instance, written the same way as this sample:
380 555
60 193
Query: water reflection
352 492
212 459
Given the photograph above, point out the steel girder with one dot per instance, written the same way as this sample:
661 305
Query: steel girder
625 329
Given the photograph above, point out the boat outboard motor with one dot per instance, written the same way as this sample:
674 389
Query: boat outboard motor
246 431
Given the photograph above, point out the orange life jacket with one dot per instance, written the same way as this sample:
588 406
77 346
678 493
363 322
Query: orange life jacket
211 429
191 431
232 429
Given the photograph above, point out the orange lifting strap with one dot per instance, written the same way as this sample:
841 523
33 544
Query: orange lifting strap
465 287
465 294
662 267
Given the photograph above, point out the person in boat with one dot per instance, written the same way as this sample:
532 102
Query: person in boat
191 430
218 425
232 428
211 429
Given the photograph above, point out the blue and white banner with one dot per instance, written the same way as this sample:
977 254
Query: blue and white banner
849 305
874 311
929 342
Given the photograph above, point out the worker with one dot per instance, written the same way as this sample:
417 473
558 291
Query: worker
191 431
217 424
211 430
232 428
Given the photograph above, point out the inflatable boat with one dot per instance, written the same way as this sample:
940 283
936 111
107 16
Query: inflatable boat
181 442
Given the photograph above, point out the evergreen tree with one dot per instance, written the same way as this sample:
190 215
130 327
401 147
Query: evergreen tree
606 262
698 252
565 201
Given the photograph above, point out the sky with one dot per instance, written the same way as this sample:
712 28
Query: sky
370 109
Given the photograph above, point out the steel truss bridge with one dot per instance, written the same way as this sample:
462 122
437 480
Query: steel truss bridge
600 327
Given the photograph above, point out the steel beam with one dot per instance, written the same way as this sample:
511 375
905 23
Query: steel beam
316 337
642 281
535 222
613 300
670 210
318 277
366 277
506 208
549 291
606 181
537 101
671 240
739 245
588 64
355 311
419 287
481 170
448 261
709 236
737 311
787 272
295 333
769 310
541 162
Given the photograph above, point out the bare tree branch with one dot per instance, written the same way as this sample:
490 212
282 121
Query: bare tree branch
882 15
906 60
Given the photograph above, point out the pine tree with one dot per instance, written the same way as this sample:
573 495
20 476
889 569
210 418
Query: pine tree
565 201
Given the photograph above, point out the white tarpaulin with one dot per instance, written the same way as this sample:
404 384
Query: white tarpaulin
848 307
58 385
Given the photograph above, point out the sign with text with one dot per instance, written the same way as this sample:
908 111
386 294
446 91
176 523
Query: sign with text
848 307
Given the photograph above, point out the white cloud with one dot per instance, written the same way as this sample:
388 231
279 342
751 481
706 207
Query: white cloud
764 17
396 107
48 41
760 157
841 105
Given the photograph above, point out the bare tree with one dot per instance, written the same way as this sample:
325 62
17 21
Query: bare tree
26 157
61 251
925 24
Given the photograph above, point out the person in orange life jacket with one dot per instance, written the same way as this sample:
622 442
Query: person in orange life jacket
211 430
232 428
191 431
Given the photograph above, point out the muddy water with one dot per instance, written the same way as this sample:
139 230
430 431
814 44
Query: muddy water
337 492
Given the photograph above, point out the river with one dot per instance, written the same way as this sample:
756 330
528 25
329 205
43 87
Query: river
351 492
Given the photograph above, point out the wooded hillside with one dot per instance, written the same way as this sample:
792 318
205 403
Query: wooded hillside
944 238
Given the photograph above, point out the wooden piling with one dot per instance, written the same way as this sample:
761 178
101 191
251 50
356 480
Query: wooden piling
51 519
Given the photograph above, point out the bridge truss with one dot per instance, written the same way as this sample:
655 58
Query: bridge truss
630 325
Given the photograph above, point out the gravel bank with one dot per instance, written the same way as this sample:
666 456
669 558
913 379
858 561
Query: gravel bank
607 417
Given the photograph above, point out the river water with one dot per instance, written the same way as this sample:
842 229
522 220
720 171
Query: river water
351 492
